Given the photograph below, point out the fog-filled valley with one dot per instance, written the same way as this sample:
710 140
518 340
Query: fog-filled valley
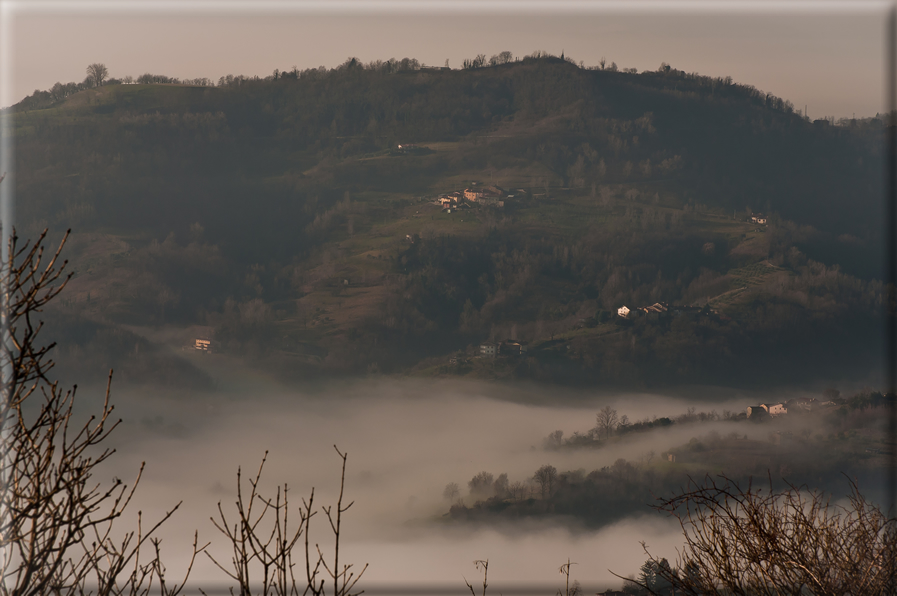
406 440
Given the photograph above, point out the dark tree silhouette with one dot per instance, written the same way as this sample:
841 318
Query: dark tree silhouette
96 74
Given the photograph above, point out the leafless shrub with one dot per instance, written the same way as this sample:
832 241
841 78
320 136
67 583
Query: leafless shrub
262 557
793 541
56 521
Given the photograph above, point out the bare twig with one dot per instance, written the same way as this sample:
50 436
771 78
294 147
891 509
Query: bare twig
484 565
568 590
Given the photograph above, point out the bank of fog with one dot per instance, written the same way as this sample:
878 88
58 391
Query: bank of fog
405 441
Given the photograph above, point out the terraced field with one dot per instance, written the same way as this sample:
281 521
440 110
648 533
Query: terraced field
743 279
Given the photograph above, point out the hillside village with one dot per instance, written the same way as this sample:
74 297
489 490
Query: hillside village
625 315
477 195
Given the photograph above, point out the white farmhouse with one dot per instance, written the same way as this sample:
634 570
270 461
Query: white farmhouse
775 409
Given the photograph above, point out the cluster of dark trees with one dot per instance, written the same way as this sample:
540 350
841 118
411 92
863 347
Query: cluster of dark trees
480 61
97 76
817 449
609 423
593 498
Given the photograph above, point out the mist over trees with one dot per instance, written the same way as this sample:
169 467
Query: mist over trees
814 447
48 536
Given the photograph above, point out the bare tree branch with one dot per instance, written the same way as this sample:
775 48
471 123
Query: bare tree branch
262 543
56 521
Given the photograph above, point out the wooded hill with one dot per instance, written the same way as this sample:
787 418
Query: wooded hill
279 216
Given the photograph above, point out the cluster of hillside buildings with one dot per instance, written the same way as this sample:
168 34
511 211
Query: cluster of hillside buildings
798 404
508 347
512 347
476 194
658 308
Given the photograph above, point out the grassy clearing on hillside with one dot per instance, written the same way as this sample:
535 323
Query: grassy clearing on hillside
755 275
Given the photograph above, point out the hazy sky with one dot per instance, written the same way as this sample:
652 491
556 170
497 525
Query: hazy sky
826 55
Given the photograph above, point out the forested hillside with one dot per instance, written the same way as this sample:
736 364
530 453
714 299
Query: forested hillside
279 217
